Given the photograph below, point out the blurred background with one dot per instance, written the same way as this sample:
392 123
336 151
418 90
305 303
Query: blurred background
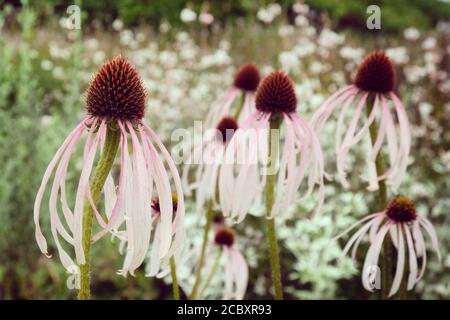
187 53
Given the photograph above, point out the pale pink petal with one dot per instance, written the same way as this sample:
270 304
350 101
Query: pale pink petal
83 184
400 262
412 278
42 243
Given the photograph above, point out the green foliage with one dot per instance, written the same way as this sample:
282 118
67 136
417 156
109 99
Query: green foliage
396 15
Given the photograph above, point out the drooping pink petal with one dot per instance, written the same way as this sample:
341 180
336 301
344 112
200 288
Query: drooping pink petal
373 255
222 107
400 262
80 197
178 222
412 278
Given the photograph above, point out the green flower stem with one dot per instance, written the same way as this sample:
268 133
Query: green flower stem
173 271
101 171
382 204
240 107
198 272
275 123
212 272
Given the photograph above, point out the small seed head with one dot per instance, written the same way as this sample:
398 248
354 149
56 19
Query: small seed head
376 73
226 129
247 78
224 236
116 92
276 94
401 210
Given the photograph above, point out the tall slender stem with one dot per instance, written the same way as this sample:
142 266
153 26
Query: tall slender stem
381 205
198 272
275 123
101 171
212 271
238 111
173 271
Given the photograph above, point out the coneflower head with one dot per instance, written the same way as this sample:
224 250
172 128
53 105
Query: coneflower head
401 210
116 92
156 208
276 94
226 128
247 78
224 237
376 73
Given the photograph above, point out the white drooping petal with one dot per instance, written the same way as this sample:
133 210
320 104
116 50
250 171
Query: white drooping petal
432 234
349 142
400 261
235 274
326 109
139 214
221 107
302 159
81 194
412 277
420 248
73 137
373 256
405 140
178 221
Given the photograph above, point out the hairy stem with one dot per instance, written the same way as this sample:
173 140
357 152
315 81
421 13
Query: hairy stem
97 181
275 123
173 271
212 272
240 107
381 205
198 272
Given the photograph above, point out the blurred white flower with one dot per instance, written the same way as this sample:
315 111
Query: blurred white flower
399 55
350 53
411 34
429 43
316 67
300 8
301 21
414 73
285 30
187 15
164 27
99 57
330 39
289 61
91 43
206 18
46 64
275 9
117 25
265 16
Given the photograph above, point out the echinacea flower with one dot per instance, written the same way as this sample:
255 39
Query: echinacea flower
373 88
236 269
115 104
158 267
240 183
245 81
211 156
401 221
